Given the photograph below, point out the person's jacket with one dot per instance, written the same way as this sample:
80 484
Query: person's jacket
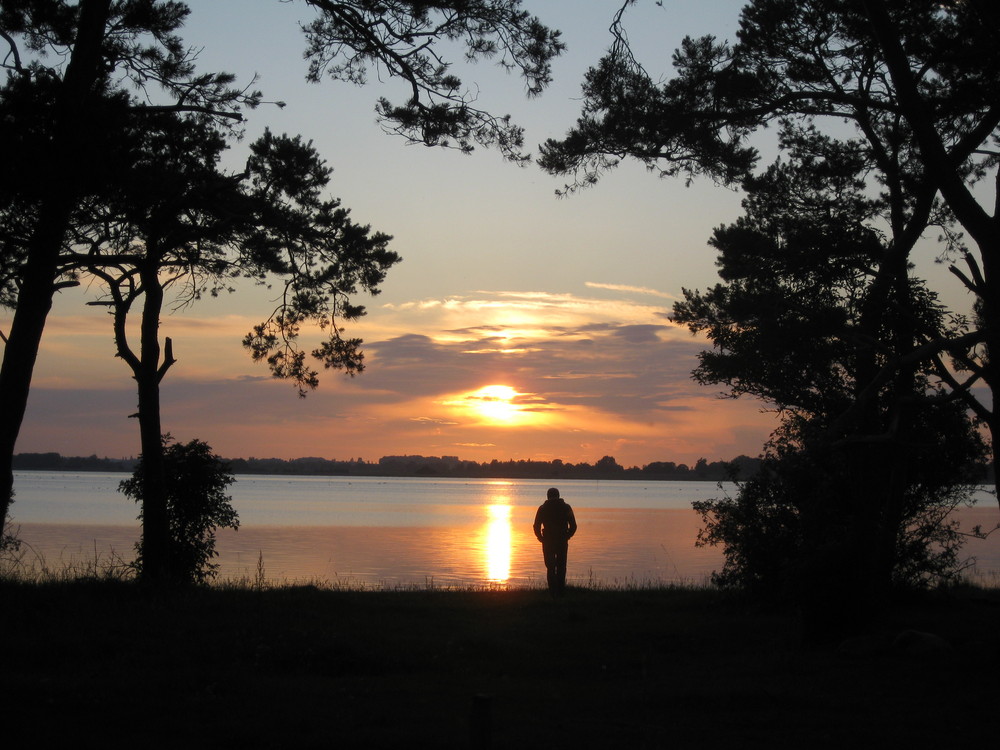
554 521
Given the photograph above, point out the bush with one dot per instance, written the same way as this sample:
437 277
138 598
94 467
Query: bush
197 504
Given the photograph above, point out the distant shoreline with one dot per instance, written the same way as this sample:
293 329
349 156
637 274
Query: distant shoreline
426 466
739 468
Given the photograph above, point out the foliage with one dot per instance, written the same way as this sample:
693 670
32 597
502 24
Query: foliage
10 542
806 522
84 82
406 39
183 224
321 255
197 504
861 476
819 313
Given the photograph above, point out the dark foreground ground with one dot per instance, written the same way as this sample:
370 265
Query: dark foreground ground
89 665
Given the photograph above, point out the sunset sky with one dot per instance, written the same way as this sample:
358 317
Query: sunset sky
519 324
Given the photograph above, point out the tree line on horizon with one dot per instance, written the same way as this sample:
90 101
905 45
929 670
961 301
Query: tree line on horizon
740 468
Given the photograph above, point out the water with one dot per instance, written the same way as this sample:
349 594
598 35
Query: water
371 531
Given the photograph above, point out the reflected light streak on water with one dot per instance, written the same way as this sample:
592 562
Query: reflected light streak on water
497 543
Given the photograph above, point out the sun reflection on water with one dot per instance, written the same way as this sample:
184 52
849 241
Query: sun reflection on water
497 543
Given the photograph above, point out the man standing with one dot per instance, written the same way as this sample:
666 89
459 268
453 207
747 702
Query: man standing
554 525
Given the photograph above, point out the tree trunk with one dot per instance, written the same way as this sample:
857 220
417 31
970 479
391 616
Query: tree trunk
33 304
155 521
34 298
982 228
990 314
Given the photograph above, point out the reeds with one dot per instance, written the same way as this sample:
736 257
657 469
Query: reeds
20 562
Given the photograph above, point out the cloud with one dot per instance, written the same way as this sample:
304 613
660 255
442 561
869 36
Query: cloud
639 334
511 312
627 288
587 364
430 420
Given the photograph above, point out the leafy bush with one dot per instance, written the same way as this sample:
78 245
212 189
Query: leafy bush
197 504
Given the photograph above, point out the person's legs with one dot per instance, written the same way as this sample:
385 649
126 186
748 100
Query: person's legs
551 574
563 554
555 564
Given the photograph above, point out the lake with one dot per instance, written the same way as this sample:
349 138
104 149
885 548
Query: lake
375 532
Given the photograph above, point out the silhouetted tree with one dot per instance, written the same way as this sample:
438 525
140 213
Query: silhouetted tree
184 226
806 528
909 88
608 465
410 40
858 481
195 486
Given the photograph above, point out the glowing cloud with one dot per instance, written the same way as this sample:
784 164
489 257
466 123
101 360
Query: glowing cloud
627 288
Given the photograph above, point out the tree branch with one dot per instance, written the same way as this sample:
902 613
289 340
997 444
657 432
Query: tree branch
13 51
168 359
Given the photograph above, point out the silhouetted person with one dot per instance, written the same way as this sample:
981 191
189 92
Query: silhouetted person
554 525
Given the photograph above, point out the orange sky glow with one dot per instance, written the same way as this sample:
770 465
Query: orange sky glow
501 375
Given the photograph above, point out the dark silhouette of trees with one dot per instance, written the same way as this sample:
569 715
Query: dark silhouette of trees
170 225
68 136
71 132
856 504
608 465
907 88
409 40
741 467
800 530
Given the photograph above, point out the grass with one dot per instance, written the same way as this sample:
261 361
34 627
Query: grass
243 665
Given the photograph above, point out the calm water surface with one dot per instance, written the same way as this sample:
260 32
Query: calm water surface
378 531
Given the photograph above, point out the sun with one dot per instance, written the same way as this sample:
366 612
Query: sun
499 405
495 403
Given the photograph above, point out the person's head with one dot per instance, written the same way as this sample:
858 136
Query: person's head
552 494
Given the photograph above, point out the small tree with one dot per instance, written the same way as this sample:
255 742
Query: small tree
197 504
185 228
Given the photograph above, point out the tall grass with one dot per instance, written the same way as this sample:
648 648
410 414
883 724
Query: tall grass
24 564
27 565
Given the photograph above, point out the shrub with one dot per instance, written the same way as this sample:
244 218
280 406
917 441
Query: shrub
197 504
